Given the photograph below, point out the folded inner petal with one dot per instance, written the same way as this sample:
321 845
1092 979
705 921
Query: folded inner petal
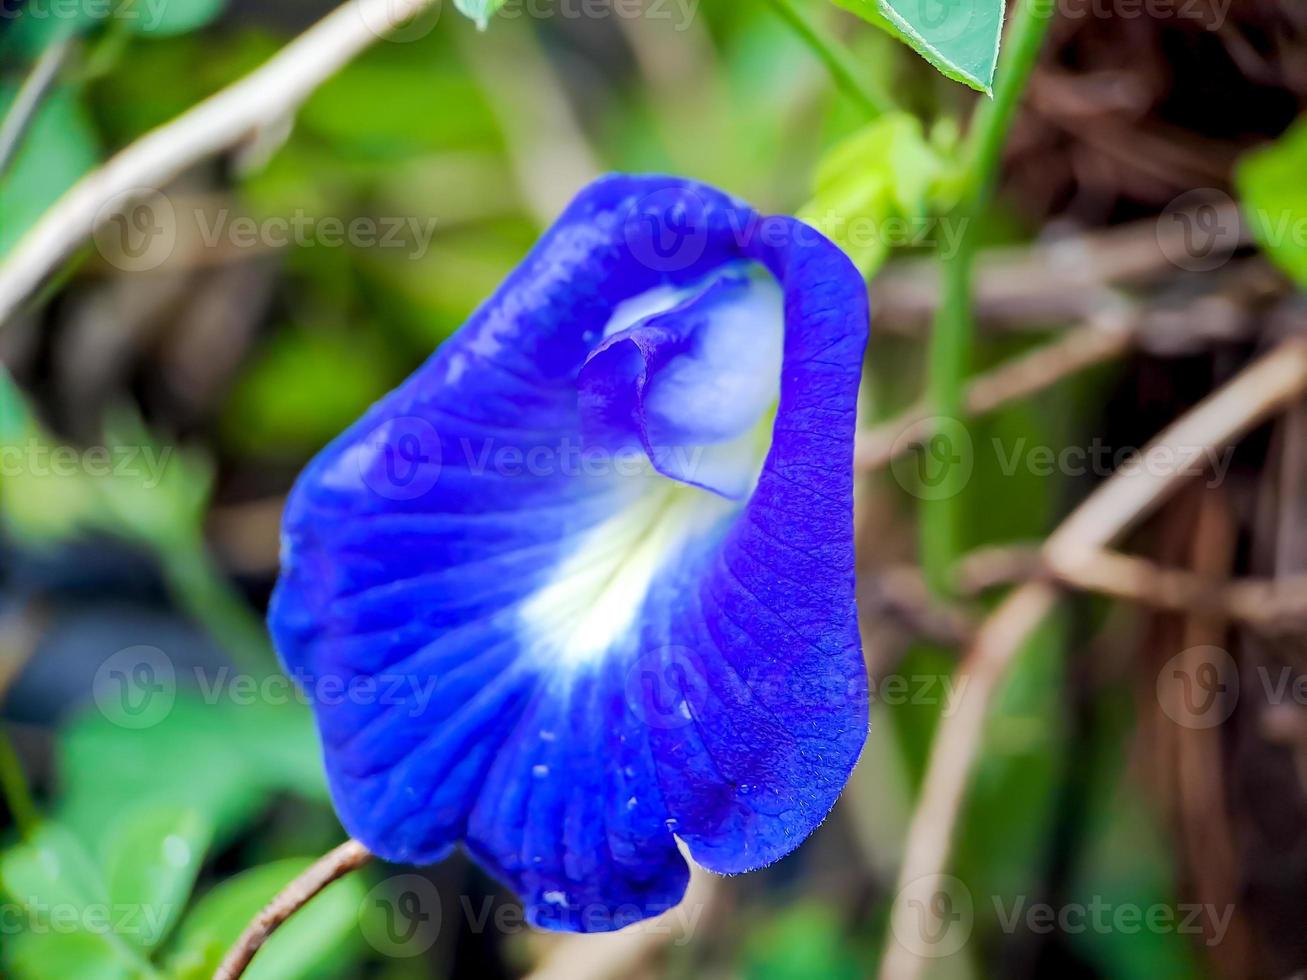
691 375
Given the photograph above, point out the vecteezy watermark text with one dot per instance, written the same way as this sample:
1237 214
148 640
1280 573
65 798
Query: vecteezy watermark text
36 458
142 228
934 917
97 918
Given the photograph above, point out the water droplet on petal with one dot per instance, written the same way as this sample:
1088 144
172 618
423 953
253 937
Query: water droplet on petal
540 772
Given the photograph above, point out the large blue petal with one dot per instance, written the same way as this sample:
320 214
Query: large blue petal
709 687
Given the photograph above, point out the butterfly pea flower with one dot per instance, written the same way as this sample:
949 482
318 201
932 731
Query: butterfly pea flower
583 585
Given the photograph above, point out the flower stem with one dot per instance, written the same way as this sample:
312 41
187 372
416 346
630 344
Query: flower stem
335 864
951 342
848 76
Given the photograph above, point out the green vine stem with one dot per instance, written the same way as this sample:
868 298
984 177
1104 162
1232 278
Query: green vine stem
952 339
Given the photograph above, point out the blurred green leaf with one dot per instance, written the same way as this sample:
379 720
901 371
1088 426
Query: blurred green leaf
479 10
871 189
224 761
959 37
1124 861
58 148
806 942
304 387
36 27
72 930
53 869
130 101
1010 809
169 16
61 955
153 855
52 492
307 942
36 504
165 496
1273 192
380 107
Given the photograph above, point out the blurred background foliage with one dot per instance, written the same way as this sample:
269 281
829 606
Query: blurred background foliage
234 365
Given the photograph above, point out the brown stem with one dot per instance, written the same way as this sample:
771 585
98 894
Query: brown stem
336 863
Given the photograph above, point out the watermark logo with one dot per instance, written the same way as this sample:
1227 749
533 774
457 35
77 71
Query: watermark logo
667 231
933 458
1199 687
400 21
136 230
136 687
1101 917
946 20
401 916
401 458
933 916
142 229
667 688
1199 230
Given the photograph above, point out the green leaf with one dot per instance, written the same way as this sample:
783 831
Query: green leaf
958 37
72 928
153 855
29 34
52 870
60 955
1273 194
170 17
304 387
311 938
1124 860
806 942
59 147
223 761
14 416
871 189
479 10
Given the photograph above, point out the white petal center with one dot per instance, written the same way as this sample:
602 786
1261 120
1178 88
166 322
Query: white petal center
594 598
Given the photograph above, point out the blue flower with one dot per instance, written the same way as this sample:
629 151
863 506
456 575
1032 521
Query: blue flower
583 585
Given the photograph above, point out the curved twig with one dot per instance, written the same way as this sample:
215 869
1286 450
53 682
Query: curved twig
336 863
28 101
1260 603
260 100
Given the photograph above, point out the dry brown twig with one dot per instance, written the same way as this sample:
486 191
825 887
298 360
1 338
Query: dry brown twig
21 114
1051 282
1126 498
260 101
1103 339
1263 603
333 865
